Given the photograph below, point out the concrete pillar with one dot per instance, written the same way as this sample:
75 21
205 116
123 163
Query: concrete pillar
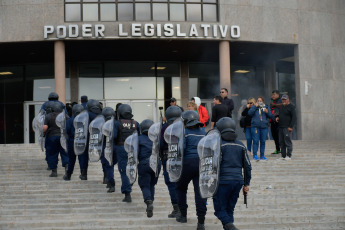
60 70
184 84
74 81
299 102
224 65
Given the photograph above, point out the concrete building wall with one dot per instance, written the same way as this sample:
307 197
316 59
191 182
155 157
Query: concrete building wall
316 26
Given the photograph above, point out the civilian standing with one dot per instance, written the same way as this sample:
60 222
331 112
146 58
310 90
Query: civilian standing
219 110
227 101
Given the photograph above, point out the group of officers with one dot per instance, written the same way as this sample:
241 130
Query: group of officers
212 161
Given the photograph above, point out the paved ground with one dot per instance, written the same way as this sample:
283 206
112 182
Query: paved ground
305 193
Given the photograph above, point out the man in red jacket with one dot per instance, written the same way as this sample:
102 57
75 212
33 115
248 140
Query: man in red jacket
203 114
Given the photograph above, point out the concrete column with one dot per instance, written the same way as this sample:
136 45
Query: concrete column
60 70
184 84
224 65
299 102
74 80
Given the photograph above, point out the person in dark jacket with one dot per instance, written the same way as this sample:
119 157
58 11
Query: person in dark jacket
248 123
287 120
219 110
84 100
260 114
190 169
53 97
172 113
77 109
227 101
52 143
147 178
123 128
231 180
275 104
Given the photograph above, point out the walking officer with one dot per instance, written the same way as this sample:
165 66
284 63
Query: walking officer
52 97
123 128
52 144
231 181
171 114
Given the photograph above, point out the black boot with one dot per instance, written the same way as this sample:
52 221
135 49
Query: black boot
200 226
230 226
67 176
149 208
201 223
175 212
182 217
83 175
111 187
105 179
66 168
127 198
54 173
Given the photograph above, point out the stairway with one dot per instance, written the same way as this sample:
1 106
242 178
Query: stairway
307 192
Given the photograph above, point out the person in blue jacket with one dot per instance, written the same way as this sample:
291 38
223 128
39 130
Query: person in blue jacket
190 169
123 128
231 181
76 109
84 100
53 97
260 114
147 178
171 114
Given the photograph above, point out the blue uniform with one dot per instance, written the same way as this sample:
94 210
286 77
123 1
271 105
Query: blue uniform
164 149
234 158
44 105
147 178
190 172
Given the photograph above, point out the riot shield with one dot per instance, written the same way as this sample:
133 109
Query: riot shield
96 138
174 136
132 148
37 125
61 123
81 125
209 166
108 132
155 136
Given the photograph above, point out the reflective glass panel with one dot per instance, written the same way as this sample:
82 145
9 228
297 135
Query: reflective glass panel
90 12
72 12
210 13
177 12
209 1
107 0
108 12
90 0
72 0
176 0
193 1
125 11
194 12
142 11
160 12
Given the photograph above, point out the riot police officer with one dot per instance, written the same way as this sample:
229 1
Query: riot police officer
52 144
190 169
147 177
171 114
52 97
231 181
77 109
123 128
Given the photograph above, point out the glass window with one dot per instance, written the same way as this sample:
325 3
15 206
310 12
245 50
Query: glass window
209 1
176 0
125 11
160 12
177 12
209 13
108 0
91 80
90 0
193 1
72 0
72 12
142 11
90 12
108 12
193 12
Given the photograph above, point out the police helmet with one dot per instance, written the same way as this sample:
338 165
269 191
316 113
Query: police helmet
191 118
108 112
125 111
77 108
226 124
94 106
49 106
57 107
172 113
53 96
145 125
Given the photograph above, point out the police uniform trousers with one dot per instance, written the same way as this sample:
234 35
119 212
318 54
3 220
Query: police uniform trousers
122 158
190 172
225 199
53 148
109 169
147 179
171 185
73 157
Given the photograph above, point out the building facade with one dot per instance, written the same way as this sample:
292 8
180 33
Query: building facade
143 52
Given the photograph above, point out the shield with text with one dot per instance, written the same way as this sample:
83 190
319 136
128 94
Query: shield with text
96 138
108 132
81 126
131 146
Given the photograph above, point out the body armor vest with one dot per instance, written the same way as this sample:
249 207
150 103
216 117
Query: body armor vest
126 128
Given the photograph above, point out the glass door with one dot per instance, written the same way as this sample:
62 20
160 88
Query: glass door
31 109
